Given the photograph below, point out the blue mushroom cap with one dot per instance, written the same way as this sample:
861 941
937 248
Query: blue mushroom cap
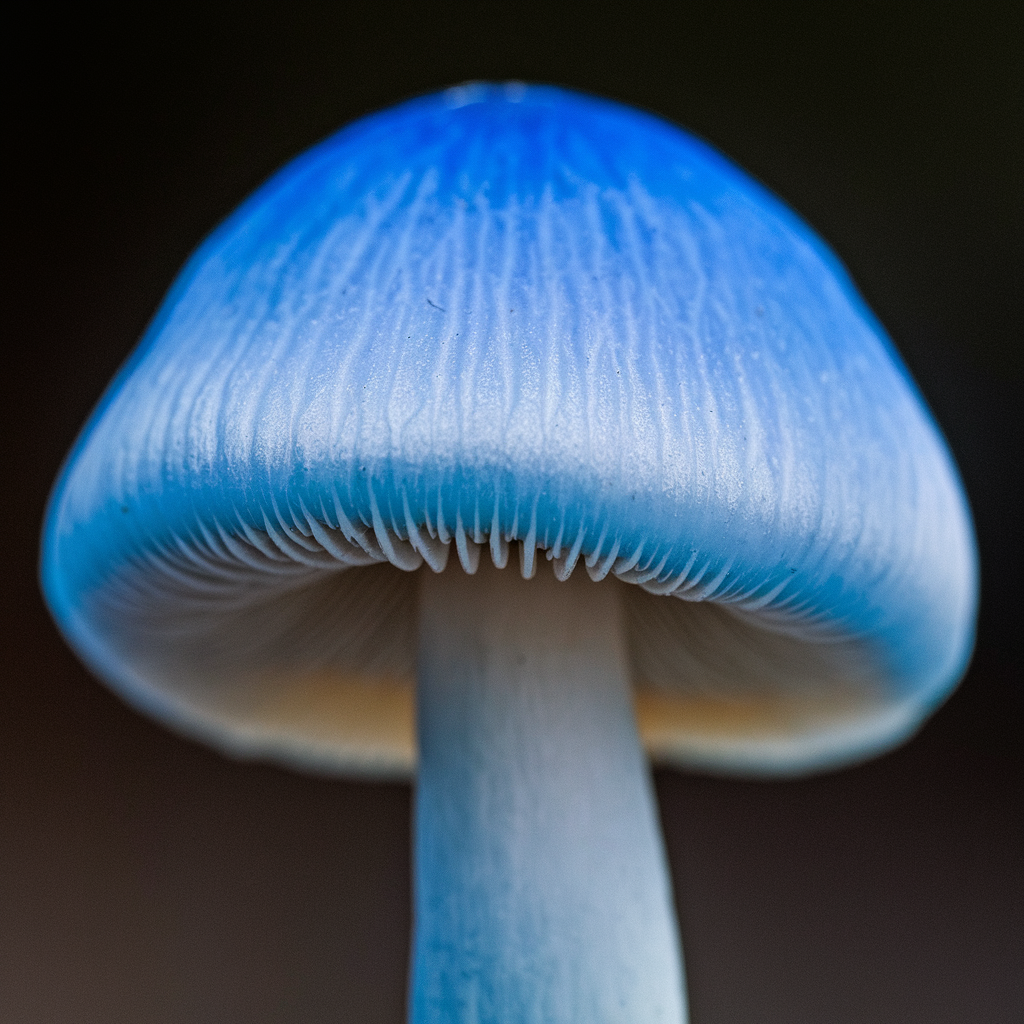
507 314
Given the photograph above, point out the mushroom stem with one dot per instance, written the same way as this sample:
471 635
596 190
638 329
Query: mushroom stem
540 879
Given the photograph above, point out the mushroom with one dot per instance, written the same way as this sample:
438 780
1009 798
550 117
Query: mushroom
531 326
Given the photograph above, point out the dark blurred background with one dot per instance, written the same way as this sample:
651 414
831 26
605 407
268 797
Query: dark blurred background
145 879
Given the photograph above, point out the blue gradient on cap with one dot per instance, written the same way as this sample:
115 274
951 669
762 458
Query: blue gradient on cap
526 308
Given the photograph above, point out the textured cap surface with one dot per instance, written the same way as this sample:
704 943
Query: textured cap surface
515 314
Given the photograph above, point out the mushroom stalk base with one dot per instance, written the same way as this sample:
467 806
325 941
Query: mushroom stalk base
542 893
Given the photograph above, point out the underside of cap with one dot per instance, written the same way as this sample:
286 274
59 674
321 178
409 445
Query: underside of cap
316 669
516 319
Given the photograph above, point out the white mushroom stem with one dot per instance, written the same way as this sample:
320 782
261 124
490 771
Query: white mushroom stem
541 889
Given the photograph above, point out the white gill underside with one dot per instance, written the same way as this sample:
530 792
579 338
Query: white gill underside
297 642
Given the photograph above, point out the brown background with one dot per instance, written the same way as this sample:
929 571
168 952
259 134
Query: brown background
144 879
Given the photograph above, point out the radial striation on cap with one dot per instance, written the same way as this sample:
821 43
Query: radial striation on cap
522 324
